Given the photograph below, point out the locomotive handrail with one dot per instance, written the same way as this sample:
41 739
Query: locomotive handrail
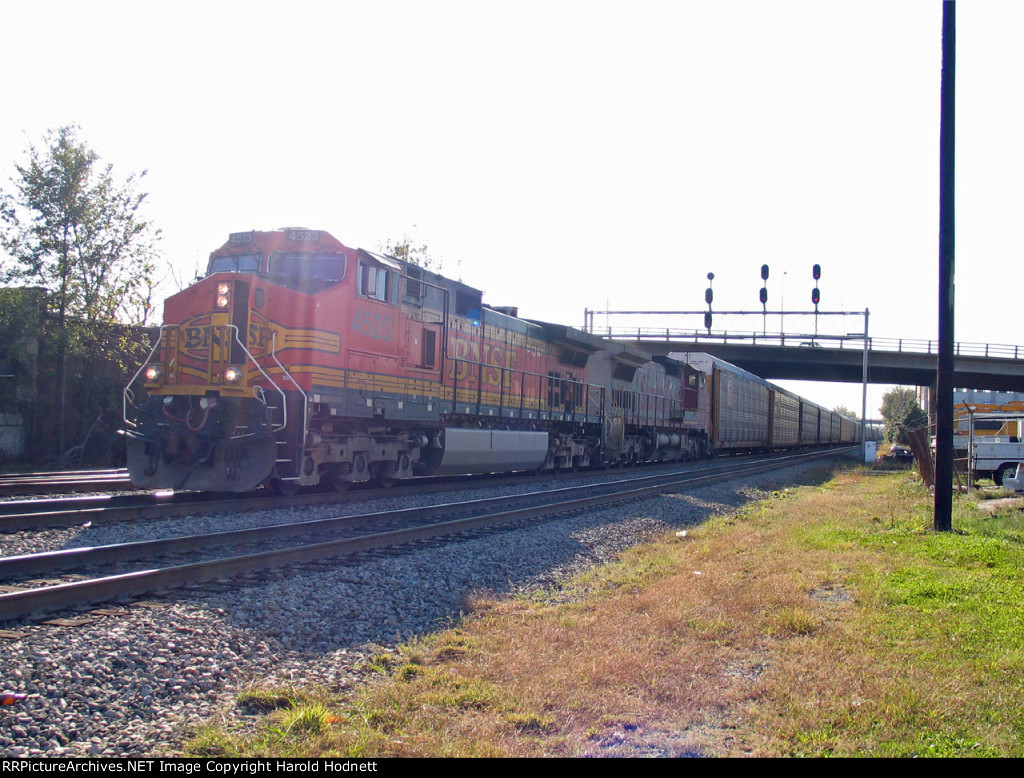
284 398
443 321
305 398
284 371
650 407
128 387
127 390
541 404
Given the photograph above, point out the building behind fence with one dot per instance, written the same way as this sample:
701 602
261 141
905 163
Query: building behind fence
29 392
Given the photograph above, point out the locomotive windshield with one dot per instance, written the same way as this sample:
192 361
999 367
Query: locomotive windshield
307 272
316 267
236 263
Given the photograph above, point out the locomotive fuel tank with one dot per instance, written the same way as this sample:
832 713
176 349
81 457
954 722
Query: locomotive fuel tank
467 451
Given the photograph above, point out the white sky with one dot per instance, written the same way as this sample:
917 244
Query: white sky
564 155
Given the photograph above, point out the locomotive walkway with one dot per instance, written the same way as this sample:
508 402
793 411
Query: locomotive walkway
825 358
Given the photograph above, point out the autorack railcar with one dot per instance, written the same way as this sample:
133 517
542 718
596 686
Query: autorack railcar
752 414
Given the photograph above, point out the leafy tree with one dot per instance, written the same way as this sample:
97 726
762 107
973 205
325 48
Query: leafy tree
844 411
902 414
68 226
417 255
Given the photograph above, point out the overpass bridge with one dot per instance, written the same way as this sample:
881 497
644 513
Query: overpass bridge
840 358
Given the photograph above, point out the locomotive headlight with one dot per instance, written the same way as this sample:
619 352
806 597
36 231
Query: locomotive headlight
153 373
232 375
223 295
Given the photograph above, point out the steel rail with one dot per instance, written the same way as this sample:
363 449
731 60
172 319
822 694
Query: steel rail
82 473
32 515
12 567
47 483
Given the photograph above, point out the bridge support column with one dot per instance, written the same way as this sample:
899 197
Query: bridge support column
926 399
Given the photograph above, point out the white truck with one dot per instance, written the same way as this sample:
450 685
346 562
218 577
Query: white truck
1016 482
996 457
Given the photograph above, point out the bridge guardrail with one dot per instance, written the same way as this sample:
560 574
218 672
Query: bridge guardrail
850 342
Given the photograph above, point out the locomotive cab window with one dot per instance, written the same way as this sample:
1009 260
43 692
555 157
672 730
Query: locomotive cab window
375 282
236 263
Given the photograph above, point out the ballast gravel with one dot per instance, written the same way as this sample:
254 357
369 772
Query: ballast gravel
138 679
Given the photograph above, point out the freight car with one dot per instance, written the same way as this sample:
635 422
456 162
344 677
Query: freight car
298 361
751 414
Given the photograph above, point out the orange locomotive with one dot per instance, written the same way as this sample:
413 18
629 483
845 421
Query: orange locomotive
298 360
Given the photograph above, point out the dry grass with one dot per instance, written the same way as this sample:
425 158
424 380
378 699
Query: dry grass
800 626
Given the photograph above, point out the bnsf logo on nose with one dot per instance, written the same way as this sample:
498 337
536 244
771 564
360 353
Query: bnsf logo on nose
259 336
197 337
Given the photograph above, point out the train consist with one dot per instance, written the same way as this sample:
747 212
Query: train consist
300 361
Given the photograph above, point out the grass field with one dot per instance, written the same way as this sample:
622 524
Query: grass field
826 619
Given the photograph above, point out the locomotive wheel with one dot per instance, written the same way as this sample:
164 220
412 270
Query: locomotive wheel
284 488
338 483
384 481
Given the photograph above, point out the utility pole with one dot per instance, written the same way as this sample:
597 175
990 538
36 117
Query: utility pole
943 521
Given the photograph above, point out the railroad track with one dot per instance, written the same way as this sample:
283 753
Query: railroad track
46 513
39 514
308 542
62 481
